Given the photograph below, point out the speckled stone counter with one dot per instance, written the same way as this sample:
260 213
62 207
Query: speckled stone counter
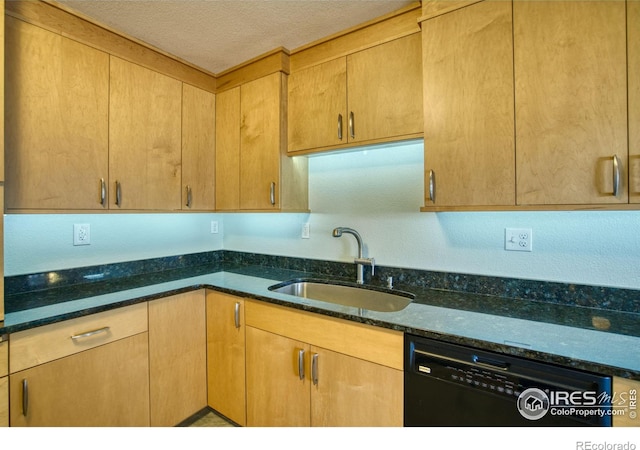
589 328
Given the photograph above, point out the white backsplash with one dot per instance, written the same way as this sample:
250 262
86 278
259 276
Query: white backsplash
376 191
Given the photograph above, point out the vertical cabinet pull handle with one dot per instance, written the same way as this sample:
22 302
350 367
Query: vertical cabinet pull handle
103 192
236 315
314 369
272 193
616 175
340 126
352 130
301 364
118 194
432 186
188 196
25 397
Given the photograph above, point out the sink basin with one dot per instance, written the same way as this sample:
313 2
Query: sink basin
346 294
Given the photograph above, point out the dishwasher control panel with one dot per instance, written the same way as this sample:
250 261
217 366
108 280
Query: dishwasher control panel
451 384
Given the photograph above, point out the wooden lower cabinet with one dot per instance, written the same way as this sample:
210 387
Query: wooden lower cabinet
4 402
355 393
177 358
297 377
277 387
105 386
226 355
4 382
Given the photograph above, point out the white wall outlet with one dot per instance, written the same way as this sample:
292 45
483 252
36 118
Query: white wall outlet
214 227
306 230
81 234
518 239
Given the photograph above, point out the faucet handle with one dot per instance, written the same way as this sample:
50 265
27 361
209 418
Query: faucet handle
367 262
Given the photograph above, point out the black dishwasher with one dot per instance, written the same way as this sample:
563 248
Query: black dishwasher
453 385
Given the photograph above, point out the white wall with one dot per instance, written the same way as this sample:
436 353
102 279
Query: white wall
39 243
379 193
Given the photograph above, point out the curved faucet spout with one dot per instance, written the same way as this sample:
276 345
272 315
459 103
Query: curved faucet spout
337 232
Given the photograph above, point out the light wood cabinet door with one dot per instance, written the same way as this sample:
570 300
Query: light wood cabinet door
384 85
144 138
105 386
318 106
226 355
228 150
633 49
351 392
469 148
57 93
571 102
369 96
198 149
4 402
277 387
262 113
177 358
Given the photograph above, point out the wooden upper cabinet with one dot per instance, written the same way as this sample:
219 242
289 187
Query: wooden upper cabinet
384 86
369 96
261 140
253 170
571 102
198 149
57 99
317 95
227 164
469 145
144 138
633 48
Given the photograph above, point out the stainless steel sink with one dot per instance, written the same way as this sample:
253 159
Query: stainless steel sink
346 294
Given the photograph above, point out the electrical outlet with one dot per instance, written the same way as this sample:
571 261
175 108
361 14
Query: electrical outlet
214 227
305 230
81 234
518 239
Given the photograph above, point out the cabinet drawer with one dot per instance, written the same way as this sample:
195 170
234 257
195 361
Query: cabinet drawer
43 344
378 345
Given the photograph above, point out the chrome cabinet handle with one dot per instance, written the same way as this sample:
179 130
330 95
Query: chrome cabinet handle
616 175
236 315
118 194
25 397
272 193
352 130
103 192
75 337
301 364
340 126
314 369
432 186
189 198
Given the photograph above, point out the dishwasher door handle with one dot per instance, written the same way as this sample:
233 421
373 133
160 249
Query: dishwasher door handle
490 363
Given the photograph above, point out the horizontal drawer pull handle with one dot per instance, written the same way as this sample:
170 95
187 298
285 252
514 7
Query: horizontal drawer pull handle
90 333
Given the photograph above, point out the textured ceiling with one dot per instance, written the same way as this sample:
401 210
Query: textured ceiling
219 34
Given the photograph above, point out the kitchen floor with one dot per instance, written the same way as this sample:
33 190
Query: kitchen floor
207 418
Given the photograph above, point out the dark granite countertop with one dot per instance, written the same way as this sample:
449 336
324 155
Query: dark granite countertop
593 339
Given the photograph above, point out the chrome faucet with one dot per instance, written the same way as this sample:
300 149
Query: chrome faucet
359 261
